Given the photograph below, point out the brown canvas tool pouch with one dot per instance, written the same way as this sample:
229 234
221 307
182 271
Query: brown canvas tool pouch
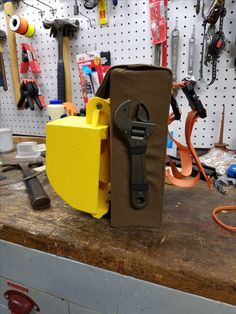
139 99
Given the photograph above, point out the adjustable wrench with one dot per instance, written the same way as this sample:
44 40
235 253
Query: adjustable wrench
175 50
191 56
136 134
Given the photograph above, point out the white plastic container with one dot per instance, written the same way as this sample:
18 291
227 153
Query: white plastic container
6 141
56 110
27 150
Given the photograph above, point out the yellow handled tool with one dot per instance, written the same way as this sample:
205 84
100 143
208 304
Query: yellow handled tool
11 38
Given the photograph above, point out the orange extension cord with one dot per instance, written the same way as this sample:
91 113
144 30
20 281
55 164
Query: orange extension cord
218 221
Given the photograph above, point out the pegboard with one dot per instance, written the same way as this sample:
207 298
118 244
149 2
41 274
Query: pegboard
128 37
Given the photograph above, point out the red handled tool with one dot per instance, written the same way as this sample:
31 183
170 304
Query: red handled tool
29 60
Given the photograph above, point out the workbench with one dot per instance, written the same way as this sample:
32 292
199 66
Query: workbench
190 253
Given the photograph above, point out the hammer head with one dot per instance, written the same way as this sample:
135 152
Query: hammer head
67 27
3 35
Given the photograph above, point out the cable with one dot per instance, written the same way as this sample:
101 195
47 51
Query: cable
218 221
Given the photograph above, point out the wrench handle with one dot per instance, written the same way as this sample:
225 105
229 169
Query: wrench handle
174 53
191 55
138 184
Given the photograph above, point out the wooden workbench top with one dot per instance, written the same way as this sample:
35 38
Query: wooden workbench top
190 252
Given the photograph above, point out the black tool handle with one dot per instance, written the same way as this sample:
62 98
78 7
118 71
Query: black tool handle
139 185
61 80
38 102
30 102
2 68
38 197
21 102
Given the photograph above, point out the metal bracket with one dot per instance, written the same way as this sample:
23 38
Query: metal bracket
30 5
52 10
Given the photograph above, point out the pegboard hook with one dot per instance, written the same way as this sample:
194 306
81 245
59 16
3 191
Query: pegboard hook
30 5
52 10
89 20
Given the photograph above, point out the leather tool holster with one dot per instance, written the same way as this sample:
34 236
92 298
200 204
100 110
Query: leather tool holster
150 86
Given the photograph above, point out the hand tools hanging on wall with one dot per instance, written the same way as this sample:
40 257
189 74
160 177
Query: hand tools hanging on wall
3 79
59 28
191 56
175 50
214 41
38 197
11 39
30 91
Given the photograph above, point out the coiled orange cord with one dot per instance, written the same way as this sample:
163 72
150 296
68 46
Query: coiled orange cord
218 221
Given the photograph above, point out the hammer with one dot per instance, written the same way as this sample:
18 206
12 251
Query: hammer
38 198
3 79
60 28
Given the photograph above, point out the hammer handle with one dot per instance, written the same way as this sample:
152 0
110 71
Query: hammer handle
67 69
61 80
11 38
38 198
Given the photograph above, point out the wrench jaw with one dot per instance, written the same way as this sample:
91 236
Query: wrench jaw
136 135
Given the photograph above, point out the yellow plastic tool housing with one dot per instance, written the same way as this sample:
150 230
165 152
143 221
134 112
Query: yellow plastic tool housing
78 158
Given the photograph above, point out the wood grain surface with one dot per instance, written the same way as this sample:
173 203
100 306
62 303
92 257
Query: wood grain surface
190 252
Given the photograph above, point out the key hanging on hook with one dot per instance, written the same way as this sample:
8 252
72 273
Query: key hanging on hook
52 10
30 5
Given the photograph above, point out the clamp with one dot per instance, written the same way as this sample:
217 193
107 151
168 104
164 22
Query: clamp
136 134
29 94
29 60
175 108
194 101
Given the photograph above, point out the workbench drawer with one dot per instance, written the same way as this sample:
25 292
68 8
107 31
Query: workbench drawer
47 304
80 309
